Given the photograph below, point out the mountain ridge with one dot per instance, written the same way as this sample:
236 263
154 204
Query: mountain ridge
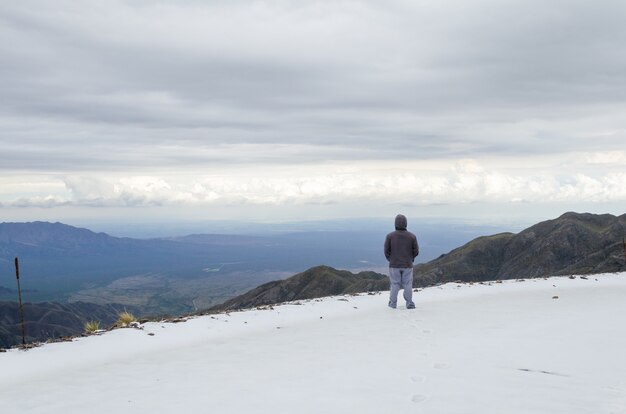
574 243
312 283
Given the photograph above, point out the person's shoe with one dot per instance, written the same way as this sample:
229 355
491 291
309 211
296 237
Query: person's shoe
410 306
391 306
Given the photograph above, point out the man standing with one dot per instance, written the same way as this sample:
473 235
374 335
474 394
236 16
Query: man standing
401 249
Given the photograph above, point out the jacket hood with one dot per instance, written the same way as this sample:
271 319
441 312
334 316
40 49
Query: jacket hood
400 222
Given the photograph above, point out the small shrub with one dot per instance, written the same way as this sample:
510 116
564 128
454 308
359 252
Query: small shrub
92 327
125 319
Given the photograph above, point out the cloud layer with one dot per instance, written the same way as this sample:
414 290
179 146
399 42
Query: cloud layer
467 181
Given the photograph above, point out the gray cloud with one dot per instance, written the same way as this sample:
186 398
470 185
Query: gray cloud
128 85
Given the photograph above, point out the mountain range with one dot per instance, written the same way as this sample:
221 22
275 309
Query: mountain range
571 244
168 275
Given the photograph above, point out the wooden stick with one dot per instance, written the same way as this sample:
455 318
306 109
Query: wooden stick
19 293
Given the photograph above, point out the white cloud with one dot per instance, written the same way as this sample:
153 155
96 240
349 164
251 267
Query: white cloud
39 201
607 157
466 181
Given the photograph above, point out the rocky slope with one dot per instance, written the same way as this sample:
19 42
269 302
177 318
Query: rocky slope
313 283
50 320
571 244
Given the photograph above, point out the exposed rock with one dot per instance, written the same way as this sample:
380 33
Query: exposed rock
571 244
314 283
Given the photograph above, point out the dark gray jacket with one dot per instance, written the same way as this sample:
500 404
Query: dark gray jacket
401 246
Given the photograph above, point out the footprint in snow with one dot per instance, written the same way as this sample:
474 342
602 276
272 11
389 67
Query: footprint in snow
418 378
441 365
426 331
418 398
614 389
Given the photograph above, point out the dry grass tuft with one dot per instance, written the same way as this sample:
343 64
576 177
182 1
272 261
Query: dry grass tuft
125 319
92 327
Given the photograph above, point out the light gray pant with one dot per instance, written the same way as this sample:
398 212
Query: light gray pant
401 278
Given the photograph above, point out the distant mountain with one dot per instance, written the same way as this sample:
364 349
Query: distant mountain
63 263
49 320
56 258
313 283
56 237
171 275
571 244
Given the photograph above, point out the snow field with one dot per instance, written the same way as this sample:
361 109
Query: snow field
493 348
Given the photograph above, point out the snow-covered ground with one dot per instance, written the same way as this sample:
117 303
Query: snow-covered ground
498 348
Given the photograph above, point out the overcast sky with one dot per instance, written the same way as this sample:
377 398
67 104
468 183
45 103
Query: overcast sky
273 110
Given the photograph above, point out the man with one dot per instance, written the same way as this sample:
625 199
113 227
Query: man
401 249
